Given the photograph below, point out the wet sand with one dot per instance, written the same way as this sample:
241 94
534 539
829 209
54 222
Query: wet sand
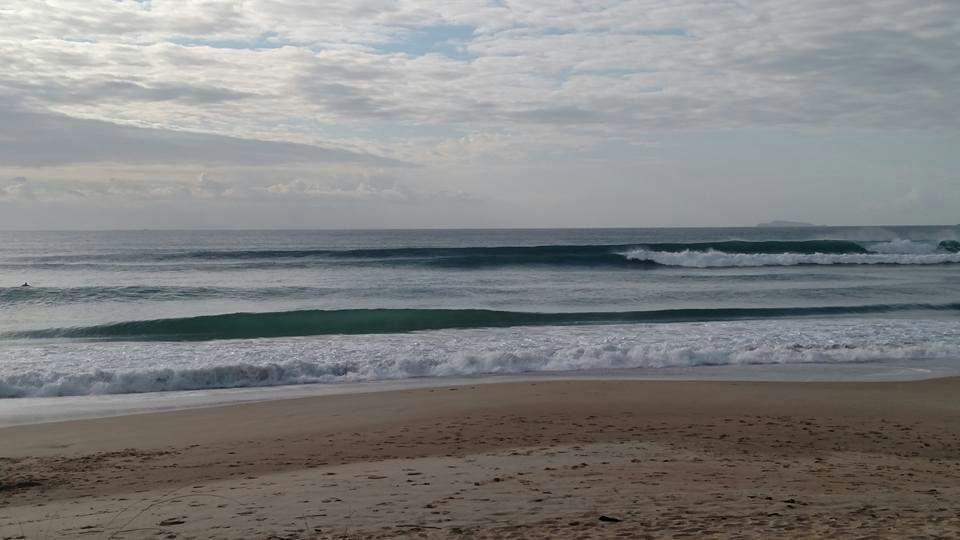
560 459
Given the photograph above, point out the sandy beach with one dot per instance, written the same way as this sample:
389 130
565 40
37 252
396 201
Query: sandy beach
559 459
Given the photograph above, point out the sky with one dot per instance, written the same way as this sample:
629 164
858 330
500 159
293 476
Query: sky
129 114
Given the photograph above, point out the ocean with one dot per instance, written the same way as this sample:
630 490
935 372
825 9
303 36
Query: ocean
137 312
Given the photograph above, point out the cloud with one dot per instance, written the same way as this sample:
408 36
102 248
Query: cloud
299 189
44 139
212 188
366 186
23 190
362 187
498 98
130 91
18 188
630 65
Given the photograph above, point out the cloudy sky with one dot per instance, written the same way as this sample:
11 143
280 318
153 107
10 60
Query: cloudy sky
424 113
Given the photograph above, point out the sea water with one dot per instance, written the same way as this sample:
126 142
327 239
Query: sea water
141 312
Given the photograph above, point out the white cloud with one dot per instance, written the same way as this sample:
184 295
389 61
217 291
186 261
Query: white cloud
18 188
360 191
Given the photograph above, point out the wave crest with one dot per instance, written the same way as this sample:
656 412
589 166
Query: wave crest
718 259
779 252
390 321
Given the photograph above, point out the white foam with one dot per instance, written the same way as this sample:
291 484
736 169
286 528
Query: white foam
68 369
717 259
904 247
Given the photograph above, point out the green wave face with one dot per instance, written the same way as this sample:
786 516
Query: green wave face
949 246
380 321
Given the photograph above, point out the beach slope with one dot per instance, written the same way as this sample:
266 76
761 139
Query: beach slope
558 459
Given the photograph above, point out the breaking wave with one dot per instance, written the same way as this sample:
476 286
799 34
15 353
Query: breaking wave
719 259
696 254
117 368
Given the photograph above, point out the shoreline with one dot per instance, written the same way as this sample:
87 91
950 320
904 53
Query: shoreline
37 410
701 453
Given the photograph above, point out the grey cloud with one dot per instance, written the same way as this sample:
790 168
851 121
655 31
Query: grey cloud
560 115
873 60
349 69
359 189
124 91
158 92
867 78
352 100
43 139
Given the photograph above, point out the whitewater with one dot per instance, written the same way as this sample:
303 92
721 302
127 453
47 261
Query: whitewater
719 259
148 312
118 368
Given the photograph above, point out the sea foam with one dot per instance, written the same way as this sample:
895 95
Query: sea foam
717 259
65 369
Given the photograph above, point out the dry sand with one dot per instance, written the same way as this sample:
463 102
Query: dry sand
517 460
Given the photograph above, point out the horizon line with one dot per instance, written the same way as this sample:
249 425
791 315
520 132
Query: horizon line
505 228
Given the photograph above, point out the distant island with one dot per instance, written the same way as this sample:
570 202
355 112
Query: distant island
787 224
